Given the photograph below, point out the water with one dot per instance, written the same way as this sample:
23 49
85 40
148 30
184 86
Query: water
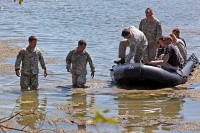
60 24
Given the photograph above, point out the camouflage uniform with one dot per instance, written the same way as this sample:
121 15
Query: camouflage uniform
153 31
137 43
29 69
182 48
79 66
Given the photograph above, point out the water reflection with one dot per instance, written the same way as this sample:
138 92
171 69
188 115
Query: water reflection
30 109
152 113
78 103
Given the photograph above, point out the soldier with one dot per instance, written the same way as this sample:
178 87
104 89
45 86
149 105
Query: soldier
78 58
181 46
137 42
29 56
160 49
171 59
176 32
151 27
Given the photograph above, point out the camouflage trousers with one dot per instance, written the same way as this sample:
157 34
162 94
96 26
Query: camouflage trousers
29 81
78 79
151 51
138 53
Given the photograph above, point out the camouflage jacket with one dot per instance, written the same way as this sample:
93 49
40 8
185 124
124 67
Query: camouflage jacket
181 46
79 60
151 29
29 61
137 42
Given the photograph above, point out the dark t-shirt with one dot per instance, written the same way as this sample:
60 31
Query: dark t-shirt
174 59
161 50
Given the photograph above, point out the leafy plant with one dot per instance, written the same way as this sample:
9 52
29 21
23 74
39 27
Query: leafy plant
100 118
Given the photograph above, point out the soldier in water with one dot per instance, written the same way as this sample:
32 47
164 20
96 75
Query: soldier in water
76 61
29 57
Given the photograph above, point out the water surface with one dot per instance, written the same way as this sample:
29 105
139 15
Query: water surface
59 25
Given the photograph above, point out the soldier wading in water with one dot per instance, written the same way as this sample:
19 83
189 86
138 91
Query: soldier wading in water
29 56
76 61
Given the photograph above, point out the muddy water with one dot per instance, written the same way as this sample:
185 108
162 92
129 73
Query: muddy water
58 106
74 110
103 107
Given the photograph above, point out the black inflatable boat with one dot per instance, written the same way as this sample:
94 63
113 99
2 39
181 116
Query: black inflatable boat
140 74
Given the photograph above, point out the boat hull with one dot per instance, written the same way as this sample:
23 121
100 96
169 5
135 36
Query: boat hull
140 74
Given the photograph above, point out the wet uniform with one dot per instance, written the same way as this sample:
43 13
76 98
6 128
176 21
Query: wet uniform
29 69
79 66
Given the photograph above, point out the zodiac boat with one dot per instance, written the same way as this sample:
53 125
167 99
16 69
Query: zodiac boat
141 74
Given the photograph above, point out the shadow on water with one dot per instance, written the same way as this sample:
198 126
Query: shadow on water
138 85
110 84
66 90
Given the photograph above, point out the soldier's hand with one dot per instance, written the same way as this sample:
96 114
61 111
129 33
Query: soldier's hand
92 74
45 72
17 73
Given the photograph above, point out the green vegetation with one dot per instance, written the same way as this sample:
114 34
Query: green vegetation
20 1
100 118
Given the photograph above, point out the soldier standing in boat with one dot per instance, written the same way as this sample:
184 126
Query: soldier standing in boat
76 61
29 56
151 27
